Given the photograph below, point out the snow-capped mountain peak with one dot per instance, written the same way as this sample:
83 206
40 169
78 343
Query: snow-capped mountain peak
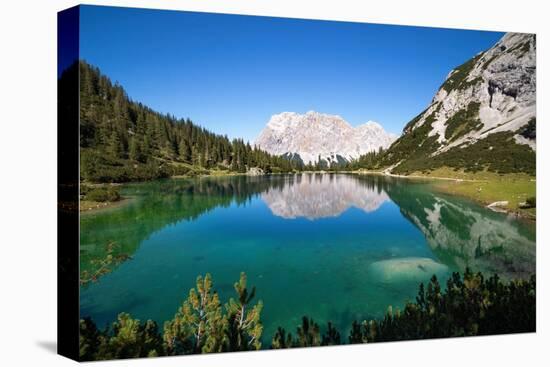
315 136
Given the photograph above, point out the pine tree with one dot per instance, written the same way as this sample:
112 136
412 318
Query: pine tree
245 328
184 151
125 132
129 338
89 339
281 339
134 150
332 337
308 334
198 326
114 147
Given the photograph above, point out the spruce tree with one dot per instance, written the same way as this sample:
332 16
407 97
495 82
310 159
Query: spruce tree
198 326
245 327
114 147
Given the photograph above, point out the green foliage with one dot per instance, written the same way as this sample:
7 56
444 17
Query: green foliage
458 79
100 194
128 338
521 48
529 131
366 161
356 333
245 328
412 148
469 305
463 122
89 339
98 167
103 265
198 326
332 337
307 334
531 202
281 339
122 140
489 61
408 127
498 152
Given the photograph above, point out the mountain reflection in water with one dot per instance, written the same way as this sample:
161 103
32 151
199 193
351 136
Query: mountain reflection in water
460 233
335 247
319 196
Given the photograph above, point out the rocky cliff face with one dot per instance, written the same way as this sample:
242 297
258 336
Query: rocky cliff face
486 107
314 135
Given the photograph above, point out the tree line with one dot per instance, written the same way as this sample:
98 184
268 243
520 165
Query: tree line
124 140
470 304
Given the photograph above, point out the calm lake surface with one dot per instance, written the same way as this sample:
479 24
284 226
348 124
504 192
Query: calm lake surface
331 246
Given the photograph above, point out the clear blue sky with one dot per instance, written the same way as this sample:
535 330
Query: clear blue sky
231 73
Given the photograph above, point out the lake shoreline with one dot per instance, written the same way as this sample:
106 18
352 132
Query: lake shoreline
370 240
443 183
516 212
94 207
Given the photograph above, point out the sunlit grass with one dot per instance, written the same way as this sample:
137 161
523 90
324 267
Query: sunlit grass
488 187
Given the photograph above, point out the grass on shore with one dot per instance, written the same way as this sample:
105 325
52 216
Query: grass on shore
210 172
86 205
484 187
99 196
488 187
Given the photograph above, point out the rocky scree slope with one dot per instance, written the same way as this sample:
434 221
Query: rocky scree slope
482 117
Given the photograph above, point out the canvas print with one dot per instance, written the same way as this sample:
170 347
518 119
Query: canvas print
249 183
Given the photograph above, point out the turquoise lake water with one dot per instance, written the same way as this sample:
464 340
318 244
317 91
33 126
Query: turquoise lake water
334 247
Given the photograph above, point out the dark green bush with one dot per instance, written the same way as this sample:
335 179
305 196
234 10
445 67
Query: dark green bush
466 305
458 79
102 194
498 152
463 122
529 131
531 202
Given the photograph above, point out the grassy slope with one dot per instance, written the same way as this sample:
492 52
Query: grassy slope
487 187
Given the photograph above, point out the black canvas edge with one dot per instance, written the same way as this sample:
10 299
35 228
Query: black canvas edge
68 179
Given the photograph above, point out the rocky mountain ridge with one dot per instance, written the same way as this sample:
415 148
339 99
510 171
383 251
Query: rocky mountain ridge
485 109
313 136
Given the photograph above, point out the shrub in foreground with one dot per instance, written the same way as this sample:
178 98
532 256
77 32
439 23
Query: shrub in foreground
468 305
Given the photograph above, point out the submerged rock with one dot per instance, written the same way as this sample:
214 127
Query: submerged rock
498 206
255 171
416 269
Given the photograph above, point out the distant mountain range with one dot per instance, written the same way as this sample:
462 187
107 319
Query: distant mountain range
482 117
316 136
